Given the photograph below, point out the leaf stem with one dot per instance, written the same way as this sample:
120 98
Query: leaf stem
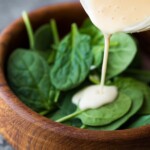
112 44
70 116
43 113
83 126
94 79
56 96
54 31
74 30
29 29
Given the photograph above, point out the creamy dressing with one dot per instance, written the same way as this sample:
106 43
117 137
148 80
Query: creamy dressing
111 16
92 96
118 15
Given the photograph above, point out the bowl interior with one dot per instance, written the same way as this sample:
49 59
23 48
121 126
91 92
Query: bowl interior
64 17
16 36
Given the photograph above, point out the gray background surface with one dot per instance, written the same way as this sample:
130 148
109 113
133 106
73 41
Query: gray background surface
11 10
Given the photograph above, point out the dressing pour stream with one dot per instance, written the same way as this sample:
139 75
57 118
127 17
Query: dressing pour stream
97 95
111 16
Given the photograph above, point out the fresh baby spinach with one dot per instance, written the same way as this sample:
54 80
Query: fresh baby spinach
122 46
87 23
97 42
136 96
121 55
30 80
66 107
94 78
145 109
96 36
97 57
47 40
107 113
48 74
66 104
140 120
146 91
46 36
126 86
73 60
71 122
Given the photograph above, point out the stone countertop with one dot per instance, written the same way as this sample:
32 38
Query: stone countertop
11 10
4 145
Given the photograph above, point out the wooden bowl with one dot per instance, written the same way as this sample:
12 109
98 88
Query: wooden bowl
24 128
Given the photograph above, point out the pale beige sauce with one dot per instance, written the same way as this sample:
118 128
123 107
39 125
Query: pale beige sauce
91 97
111 16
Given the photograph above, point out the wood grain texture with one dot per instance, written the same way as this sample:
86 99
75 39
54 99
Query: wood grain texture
27 130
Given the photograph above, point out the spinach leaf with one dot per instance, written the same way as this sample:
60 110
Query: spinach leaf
96 35
107 113
127 86
140 121
121 55
66 107
28 75
97 52
47 40
71 122
94 78
142 87
87 23
122 49
66 104
97 41
57 114
146 105
73 61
